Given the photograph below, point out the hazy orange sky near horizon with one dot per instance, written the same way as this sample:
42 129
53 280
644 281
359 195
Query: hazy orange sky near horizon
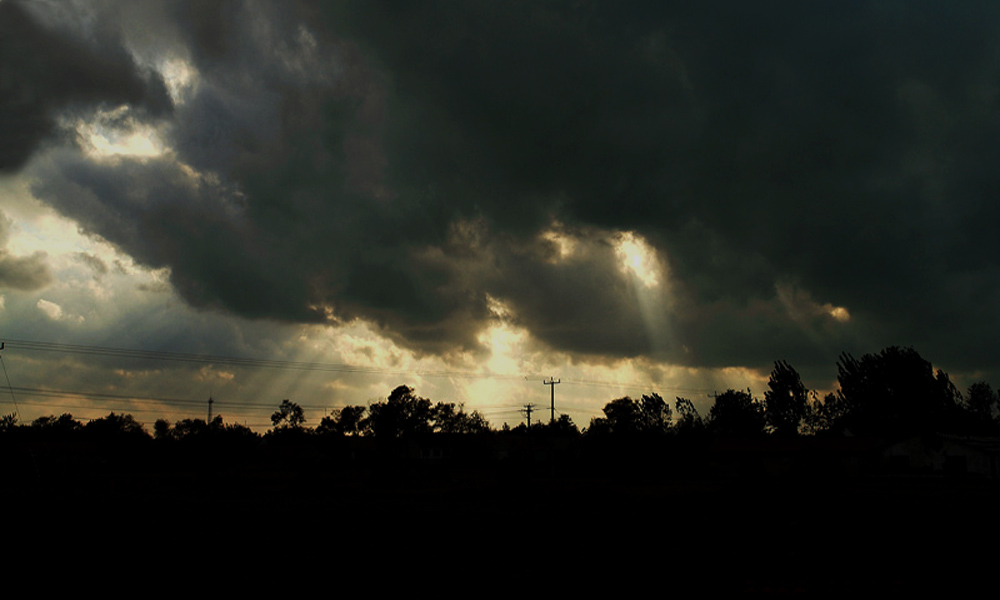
470 198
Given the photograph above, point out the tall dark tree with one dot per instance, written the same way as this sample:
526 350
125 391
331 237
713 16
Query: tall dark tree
120 434
402 414
564 425
785 401
189 428
689 422
116 426
895 393
736 414
826 415
8 422
982 401
162 429
621 416
288 416
625 416
449 418
64 423
654 414
344 421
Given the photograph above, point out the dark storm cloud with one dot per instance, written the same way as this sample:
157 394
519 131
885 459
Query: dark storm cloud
43 72
398 162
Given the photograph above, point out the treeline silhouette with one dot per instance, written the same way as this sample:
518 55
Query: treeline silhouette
888 396
761 494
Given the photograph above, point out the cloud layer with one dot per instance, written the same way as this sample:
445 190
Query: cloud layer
808 179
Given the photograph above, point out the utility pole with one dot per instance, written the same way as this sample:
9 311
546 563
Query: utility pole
552 384
527 410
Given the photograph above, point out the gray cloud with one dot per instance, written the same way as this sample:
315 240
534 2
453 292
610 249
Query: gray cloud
344 146
94 263
24 273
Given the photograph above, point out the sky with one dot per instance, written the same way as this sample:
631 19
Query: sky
473 197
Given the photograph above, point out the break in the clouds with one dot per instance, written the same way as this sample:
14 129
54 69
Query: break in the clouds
47 71
715 183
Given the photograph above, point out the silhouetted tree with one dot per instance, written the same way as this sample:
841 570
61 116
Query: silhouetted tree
8 422
895 393
343 421
625 416
523 429
564 425
689 422
654 414
402 414
620 417
64 423
449 419
118 437
826 415
188 428
162 429
236 431
981 400
785 401
116 426
736 414
288 416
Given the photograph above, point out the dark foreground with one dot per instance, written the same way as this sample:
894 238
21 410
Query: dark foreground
468 531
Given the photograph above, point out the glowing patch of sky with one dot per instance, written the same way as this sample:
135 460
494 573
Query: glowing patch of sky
839 313
639 258
181 79
801 307
111 133
563 243
647 272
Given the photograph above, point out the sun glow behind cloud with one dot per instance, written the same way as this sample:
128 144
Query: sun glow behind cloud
113 134
504 341
839 313
181 79
638 258
801 307
562 242
648 273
